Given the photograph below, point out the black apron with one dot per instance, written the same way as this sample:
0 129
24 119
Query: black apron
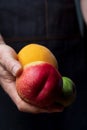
52 23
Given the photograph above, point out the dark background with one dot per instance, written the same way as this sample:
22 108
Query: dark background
72 63
70 51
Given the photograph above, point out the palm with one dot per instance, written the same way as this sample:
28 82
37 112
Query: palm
8 62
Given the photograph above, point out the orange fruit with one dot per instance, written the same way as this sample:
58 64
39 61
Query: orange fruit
35 52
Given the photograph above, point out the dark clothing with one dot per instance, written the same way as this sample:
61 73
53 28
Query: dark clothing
52 23
38 19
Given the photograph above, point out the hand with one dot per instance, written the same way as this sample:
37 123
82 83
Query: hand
9 69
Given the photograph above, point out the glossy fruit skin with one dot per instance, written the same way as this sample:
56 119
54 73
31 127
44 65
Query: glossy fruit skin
39 84
45 88
68 92
36 52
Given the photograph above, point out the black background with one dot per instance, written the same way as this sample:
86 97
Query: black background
70 53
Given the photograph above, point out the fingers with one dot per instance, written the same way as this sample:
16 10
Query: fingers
8 59
1 40
10 67
56 108
5 75
22 106
10 88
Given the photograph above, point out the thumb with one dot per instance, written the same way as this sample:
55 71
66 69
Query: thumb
9 60
13 66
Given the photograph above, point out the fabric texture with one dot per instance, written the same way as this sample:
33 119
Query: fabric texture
52 23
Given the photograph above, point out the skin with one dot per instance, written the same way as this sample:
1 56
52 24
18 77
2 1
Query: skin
39 87
10 68
83 4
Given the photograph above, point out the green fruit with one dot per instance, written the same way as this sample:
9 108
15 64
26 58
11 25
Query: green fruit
68 92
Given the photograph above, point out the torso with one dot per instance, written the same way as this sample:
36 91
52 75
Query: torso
52 23
41 19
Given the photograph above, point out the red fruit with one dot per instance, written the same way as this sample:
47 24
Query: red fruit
39 84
